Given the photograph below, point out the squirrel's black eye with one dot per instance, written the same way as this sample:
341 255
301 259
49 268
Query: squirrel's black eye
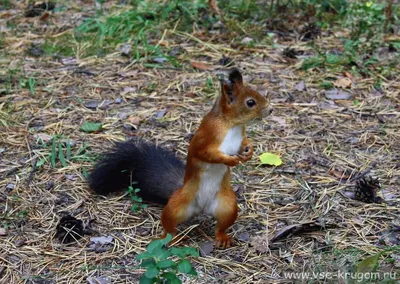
250 103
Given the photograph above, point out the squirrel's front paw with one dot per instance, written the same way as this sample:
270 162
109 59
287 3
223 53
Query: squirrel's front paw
233 161
246 154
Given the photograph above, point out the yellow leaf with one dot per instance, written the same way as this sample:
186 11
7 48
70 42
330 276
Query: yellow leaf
270 159
368 264
342 83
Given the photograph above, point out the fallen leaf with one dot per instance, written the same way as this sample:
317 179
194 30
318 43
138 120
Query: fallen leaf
201 65
297 229
281 121
10 186
105 104
3 232
45 16
244 237
129 90
328 104
214 6
368 264
389 238
92 104
161 113
131 73
349 194
284 232
68 60
337 95
246 40
270 159
71 177
260 243
347 74
126 49
20 242
43 136
301 86
98 280
338 174
102 240
206 248
343 83
159 60
135 120
91 127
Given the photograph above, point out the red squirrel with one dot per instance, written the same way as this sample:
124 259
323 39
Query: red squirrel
218 144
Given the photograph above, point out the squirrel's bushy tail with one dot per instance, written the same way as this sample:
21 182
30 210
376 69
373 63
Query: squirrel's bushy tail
158 172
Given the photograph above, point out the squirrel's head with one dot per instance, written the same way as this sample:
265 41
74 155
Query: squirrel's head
240 103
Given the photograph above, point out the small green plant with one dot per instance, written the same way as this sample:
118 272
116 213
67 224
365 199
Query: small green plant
164 264
28 83
331 61
137 204
367 23
142 25
61 151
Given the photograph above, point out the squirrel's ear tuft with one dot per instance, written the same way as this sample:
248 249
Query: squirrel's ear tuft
227 91
235 77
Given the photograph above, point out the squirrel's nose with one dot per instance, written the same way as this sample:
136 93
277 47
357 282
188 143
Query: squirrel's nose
267 111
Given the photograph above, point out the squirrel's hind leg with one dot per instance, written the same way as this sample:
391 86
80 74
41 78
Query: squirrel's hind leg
175 212
226 214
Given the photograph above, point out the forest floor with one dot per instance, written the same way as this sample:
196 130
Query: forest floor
333 202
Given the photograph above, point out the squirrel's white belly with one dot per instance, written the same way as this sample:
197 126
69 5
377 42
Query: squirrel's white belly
211 178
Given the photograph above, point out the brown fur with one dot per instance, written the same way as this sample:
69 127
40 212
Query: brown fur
229 110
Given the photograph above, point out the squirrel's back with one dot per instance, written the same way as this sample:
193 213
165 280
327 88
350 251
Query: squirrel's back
157 171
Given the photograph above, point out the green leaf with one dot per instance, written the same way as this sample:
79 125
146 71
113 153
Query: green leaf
167 239
85 173
145 280
82 149
191 251
185 266
31 82
144 255
167 263
178 252
53 153
192 272
170 276
185 251
134 207
149 262
162 254
368 264
270 159
61 156
91 127
152 272
155 245
40 163
175 280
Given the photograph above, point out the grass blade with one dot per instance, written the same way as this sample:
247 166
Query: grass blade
53 153
68 150
61 156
